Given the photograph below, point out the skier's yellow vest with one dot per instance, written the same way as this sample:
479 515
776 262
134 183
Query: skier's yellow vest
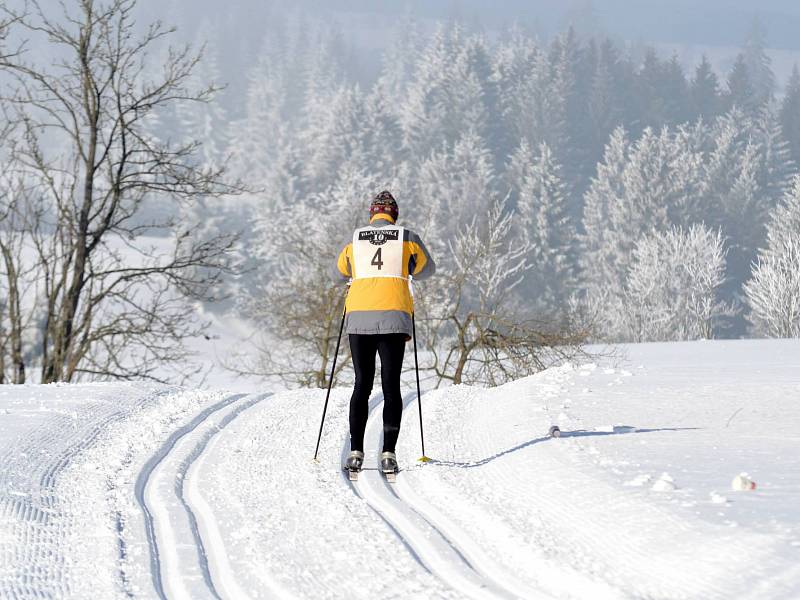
379 260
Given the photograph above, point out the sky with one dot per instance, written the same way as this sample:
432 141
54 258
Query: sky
712 22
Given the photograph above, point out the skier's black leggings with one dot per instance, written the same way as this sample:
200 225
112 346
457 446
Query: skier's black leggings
391 347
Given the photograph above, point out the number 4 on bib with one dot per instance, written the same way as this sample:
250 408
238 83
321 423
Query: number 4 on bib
376 260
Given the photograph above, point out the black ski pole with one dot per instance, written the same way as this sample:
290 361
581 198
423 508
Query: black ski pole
423 458
330 383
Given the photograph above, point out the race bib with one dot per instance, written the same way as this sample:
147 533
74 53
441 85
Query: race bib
378 252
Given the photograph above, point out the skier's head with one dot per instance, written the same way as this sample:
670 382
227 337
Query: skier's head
384 205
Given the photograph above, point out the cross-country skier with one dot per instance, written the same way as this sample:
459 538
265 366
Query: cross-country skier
379 259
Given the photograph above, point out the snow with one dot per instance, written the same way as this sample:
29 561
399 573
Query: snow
134 490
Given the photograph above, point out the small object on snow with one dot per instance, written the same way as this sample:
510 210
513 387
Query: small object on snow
743 483
664 484
389 466
554 432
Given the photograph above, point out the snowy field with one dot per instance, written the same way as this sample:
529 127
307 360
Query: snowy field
143 491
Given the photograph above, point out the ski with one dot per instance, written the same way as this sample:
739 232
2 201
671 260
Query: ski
391 476
352 474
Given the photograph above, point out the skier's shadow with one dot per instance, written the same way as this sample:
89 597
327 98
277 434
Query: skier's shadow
618 430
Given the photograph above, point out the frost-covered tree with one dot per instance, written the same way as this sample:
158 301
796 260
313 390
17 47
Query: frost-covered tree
758 63
773 292
790 114
746 173
450 187
606 99
785 219
603 253
672 287
647 184
253 146
206 121
548 231
451 92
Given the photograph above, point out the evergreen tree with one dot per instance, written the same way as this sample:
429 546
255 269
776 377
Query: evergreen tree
790 114
758 63
451 186
652 110
253 149
546 226
602 256
605 106
705 92
741 92
206 121
520 163
675 90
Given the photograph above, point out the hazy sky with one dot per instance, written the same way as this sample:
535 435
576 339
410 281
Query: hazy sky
703 22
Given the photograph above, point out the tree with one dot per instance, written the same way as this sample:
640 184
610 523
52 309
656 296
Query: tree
601 257
605 103
705 92
672 288
758 63
741 91
547 230
451 186
784 222
773 292
790 113
112 304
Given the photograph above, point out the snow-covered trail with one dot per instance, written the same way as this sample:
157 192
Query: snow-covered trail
178 556
504 511
450 556
77 463
43 436
136 491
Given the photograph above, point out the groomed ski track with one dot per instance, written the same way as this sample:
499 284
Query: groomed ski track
444 551
181 570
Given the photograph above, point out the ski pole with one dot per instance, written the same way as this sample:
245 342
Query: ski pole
423 458
330 383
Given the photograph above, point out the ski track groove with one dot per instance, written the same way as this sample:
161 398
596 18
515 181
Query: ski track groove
144 477
39 506
445 559
374 403
180 484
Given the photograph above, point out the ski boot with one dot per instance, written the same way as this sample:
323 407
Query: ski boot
389 466
554 432
354 463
